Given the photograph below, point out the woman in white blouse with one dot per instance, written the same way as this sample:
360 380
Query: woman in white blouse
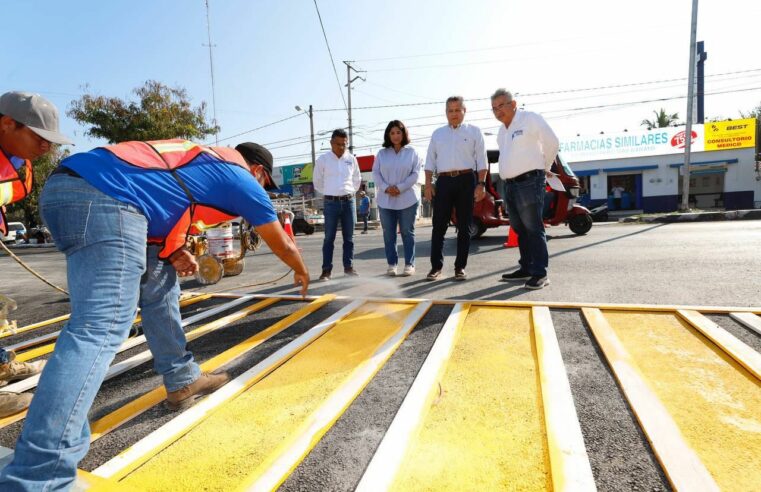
396 171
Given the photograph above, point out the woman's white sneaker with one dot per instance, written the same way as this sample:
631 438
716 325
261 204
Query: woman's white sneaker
408 270
391 271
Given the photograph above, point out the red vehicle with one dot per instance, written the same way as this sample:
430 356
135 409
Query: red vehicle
563 209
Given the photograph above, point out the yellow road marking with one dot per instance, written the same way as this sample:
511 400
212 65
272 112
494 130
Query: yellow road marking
742 353
697 406
155 396
190 336
424 390
156 441
248 432
485 431
46 349
571 470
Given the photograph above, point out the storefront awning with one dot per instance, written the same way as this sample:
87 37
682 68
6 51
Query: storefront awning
630 168
706 163
587 172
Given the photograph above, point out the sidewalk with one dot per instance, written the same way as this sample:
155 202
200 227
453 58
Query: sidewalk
672 217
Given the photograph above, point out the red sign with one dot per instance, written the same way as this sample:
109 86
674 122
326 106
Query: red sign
679 140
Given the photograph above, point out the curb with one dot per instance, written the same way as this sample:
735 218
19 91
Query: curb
671 218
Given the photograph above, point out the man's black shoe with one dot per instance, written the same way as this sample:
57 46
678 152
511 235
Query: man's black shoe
459 274
325 275
350 272
433 275
516 275
536 283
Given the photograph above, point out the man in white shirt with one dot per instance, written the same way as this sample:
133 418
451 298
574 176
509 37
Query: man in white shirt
527 149
617 191
458 157
336 175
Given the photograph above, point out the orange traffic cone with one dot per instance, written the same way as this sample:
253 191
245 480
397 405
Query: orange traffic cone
512 238
289 228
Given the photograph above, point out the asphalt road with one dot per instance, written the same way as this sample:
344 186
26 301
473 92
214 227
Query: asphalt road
687 264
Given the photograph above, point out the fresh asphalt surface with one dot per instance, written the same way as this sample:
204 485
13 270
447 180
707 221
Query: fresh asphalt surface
685 264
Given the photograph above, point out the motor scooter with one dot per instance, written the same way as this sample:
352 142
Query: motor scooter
562 209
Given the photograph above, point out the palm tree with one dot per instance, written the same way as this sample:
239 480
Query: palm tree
662 119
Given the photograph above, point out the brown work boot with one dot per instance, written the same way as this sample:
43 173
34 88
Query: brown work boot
205 384
14 371
12 403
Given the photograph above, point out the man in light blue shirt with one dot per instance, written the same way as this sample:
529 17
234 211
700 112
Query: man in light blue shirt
457 155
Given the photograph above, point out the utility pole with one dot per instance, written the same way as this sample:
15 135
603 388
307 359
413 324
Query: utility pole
690 101
211 68
349 80
311 127
702 57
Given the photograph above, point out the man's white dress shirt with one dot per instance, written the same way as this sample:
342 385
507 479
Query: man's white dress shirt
336 176
527 144
454 149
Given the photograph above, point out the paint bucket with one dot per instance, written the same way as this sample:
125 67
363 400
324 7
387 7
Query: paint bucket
220 241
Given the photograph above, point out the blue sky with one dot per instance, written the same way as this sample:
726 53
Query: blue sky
270 56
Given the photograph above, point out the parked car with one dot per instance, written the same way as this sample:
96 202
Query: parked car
16 232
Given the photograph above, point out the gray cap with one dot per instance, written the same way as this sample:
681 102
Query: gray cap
35 112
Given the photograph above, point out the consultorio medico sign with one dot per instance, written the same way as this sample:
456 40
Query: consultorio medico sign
721 135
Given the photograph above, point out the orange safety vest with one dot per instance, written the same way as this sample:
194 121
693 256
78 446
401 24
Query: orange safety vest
12 186
169 155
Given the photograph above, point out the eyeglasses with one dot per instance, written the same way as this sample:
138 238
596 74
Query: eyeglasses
501 106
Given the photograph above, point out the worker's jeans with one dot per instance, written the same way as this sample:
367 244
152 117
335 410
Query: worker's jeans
525 205
343 212
404 219
104 243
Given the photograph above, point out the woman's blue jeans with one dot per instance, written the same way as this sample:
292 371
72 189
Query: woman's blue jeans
405 220
104 241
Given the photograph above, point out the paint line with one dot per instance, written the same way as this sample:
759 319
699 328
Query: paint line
155 396
153 443
142 357
385 463
680 463
749 320
46 349
571 470
34 326
738 350
321 420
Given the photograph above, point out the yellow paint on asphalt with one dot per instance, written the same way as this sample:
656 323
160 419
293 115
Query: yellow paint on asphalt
48 348
486 430
715 402
246 433
155 396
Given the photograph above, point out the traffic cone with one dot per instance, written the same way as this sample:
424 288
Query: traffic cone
289 228
512 238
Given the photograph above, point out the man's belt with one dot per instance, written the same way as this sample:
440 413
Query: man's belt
452 174
525 176
342 198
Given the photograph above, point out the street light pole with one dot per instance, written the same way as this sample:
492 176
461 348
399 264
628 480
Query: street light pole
690 96
311 128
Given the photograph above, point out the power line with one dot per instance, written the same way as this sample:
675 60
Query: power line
332 62
565 91
258 128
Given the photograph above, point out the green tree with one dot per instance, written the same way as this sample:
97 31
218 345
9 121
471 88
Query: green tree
27 210
161 112
662 119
